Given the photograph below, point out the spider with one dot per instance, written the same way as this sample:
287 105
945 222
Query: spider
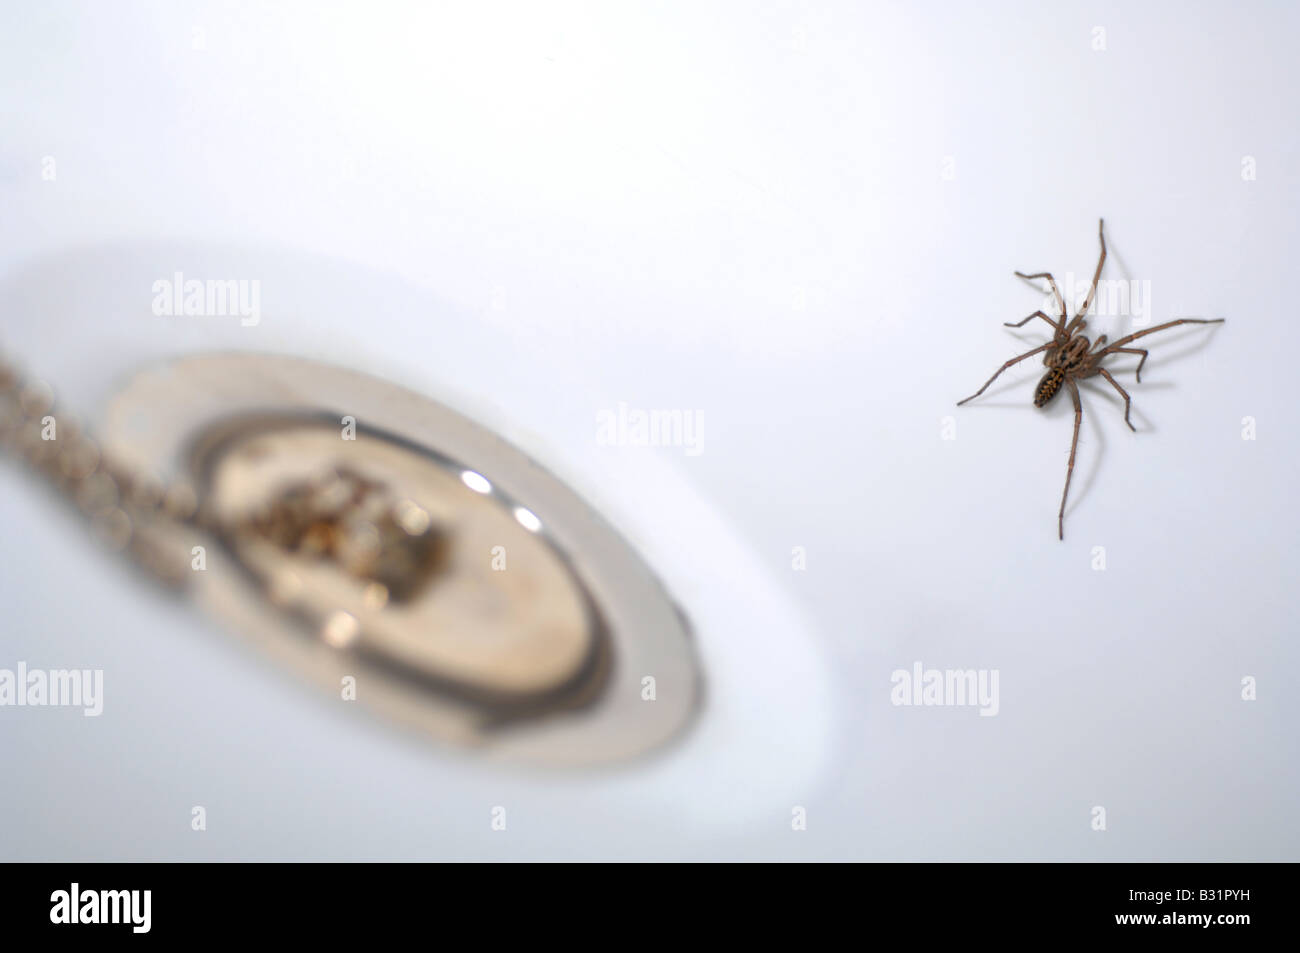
1071 357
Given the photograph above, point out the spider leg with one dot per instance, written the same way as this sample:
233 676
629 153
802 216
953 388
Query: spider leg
1160 327
1134 350
1087 302
1014 360
1060 302
1122 392
1074 445
1037 314
1100 342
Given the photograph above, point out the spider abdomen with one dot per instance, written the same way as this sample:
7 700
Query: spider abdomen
1048 386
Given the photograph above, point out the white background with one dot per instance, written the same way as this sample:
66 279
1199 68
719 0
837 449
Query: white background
800 221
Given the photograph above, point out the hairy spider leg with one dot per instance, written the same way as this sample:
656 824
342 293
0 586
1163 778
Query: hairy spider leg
1096 276
1134 350
1074 446
1118 345
1014 360
1037 314
1122 392
1060 302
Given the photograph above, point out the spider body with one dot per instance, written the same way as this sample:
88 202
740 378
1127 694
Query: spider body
1064 362
1070 356
1049 386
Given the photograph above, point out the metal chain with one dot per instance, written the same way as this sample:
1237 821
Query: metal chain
129 512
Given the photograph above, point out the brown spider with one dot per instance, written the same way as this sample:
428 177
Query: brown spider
1072 357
